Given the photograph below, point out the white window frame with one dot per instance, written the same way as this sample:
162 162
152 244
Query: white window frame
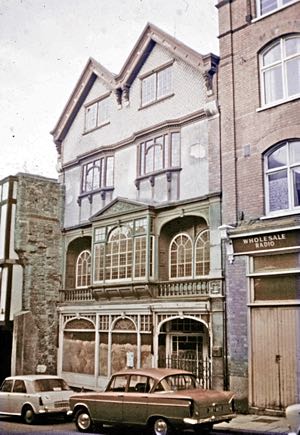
288 167
87 268
157 92
206 246
280 5
282 62
192 258
101 117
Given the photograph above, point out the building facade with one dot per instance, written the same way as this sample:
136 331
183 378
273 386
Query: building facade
139 157
259 90
30 273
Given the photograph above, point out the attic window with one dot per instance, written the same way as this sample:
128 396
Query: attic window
157 85
97 114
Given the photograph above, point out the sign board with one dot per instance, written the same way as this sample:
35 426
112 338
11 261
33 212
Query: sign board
264 242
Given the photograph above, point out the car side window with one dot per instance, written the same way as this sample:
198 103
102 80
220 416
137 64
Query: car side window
19 386
6 386
118 383
140 384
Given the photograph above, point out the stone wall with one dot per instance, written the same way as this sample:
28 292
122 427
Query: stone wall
39 246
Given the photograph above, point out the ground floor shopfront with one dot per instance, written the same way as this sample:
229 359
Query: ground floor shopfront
266 296
95 342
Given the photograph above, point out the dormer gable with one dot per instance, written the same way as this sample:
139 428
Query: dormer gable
92 70
120 83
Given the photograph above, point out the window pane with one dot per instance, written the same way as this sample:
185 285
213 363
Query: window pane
278 191
273 263
295 152
292 46
267 6
273 84
296 181
164 82
109 171
273 54
175 149
293 76
278 158
277 288
91 117
149 159
103 111
148 89
158 157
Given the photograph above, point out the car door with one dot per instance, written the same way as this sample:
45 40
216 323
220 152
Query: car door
108 406
135 403
5 396
18 397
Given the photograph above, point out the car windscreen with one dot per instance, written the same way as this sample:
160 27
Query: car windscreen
50 385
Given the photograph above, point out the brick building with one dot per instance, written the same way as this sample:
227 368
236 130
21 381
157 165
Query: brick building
30 273
259 90
140 163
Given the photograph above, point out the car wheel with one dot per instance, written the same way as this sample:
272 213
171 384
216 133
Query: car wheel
160 426
28 415
83 421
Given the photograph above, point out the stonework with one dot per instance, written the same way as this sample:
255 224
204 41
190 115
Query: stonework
38 244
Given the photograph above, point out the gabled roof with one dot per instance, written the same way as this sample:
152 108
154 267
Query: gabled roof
150 36
120 206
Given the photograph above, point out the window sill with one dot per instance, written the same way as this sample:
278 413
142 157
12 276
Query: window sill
151 103
281 214
96 128
260 17
90 194
278 103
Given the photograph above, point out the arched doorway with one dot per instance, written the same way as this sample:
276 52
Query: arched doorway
183 342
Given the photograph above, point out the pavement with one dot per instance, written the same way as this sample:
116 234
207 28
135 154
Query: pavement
254 424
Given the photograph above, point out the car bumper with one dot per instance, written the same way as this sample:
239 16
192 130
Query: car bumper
47 410
214 419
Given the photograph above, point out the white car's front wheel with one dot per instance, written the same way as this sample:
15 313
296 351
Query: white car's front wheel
28 415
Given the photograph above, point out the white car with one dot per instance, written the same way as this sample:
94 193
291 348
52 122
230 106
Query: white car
29 396
292 413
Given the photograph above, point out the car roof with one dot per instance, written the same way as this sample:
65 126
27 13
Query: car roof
157 373
32 377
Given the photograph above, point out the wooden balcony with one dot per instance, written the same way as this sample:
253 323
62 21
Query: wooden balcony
132 291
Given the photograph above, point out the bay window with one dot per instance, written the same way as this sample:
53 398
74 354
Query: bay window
159 153
98 174
120 253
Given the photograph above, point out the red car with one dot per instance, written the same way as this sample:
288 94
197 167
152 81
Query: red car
160 400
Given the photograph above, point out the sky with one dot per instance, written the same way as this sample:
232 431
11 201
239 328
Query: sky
44 47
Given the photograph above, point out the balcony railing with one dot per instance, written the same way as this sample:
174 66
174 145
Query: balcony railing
158 290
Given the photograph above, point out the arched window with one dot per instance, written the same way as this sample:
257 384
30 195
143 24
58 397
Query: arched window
282 177
119 254
83 269
202 257
181 257
280 70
